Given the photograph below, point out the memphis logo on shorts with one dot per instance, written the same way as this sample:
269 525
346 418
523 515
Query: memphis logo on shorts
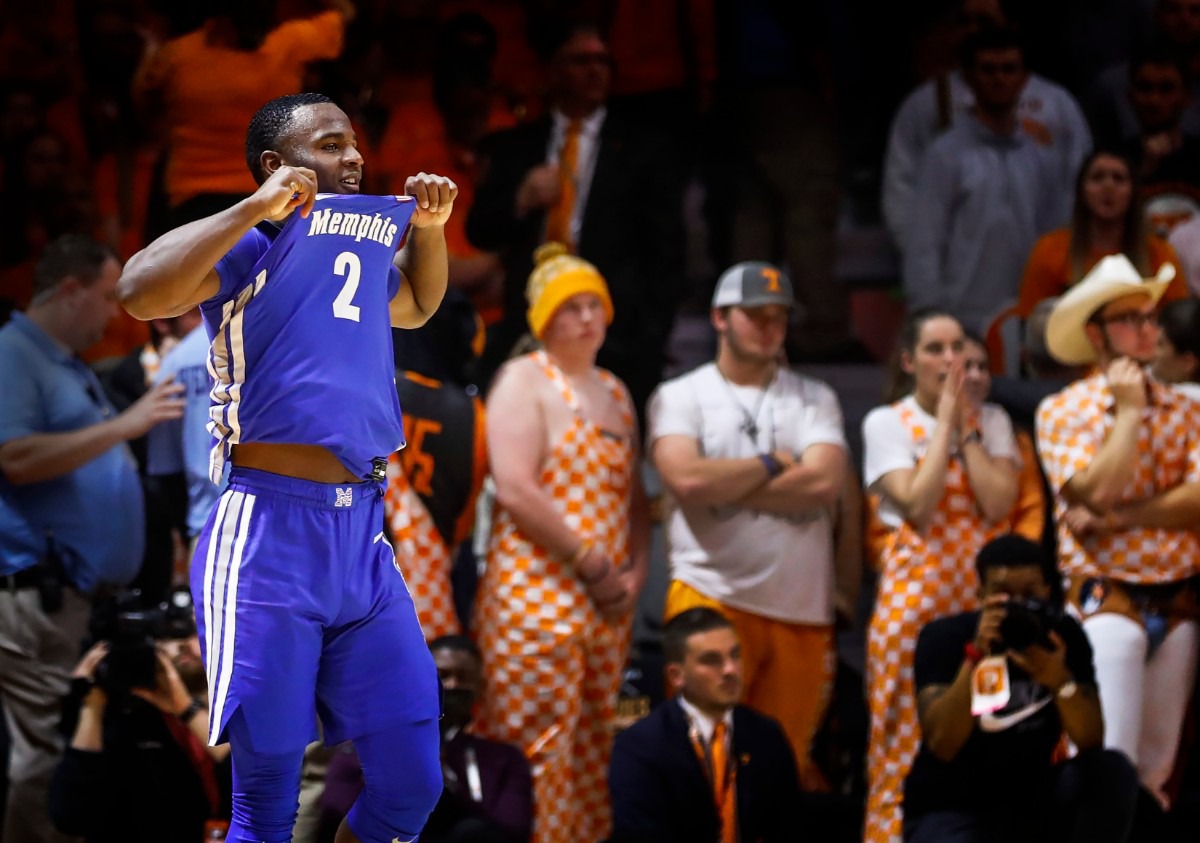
345 497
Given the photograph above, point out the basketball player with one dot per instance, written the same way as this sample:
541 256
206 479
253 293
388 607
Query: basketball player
300 608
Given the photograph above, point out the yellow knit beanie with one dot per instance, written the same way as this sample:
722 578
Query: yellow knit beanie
556 277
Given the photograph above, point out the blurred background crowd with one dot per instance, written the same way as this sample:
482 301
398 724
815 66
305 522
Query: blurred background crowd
975 157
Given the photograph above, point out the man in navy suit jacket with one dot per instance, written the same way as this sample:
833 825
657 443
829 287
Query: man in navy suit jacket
658 781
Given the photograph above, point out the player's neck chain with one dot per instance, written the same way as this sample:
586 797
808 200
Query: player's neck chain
749 425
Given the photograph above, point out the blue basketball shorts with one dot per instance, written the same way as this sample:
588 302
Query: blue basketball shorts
302 612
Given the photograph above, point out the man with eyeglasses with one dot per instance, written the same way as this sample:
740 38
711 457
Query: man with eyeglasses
1122 455
69 490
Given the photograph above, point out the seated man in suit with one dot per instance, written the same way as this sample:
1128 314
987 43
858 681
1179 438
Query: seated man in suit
701 767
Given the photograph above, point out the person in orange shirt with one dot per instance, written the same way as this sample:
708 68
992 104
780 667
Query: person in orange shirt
206 86
1107 220
568 552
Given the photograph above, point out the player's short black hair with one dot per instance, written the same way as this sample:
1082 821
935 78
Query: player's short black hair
683 626
69 256
270 123
457 644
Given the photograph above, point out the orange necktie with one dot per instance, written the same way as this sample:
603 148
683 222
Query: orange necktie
558 219
722 776
722 782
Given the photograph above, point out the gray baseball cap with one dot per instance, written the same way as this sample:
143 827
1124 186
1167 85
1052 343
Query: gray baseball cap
753 284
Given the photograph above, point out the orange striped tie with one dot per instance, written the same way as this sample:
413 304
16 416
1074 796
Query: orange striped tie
724 793
558 219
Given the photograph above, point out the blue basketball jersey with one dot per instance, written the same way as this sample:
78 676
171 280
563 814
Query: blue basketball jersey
301 336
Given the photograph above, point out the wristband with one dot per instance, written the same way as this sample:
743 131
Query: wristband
191 711
973 436
774 467
971 653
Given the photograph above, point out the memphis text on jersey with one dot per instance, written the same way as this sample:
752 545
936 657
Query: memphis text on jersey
373 227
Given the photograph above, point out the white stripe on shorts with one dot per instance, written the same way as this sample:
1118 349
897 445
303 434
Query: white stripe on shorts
221 569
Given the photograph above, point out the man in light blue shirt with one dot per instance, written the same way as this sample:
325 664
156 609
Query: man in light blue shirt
182 446
69 486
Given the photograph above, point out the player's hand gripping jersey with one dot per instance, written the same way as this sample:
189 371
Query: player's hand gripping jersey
302 343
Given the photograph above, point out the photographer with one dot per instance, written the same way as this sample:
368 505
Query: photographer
136 767
1027 667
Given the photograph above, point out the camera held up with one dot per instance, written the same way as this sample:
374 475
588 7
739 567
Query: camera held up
1028 622
131 629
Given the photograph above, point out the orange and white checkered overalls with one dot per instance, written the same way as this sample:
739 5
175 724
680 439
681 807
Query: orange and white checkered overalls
552 662
421 554
925 576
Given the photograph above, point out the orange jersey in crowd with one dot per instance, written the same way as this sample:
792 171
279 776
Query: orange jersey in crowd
209 93
1048 271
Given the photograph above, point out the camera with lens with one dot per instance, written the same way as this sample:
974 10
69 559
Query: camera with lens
1028 622
131 629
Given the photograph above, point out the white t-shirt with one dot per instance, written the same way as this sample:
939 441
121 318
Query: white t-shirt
775 566
1191 390
888 446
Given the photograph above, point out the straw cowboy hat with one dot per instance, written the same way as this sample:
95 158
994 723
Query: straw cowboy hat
1112 278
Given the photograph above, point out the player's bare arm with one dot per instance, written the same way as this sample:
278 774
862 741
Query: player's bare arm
176 272
423 261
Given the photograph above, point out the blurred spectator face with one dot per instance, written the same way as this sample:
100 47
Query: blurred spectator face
940 344
20 116
974 15
1159 97
1179 21
581 73
92 305
710 676
112 49
462 682
977 379
45 162
753 334
1019 582
997 78
184 653
41 57
1107 188
69 207
1171 365
467 109
579 322
1127 327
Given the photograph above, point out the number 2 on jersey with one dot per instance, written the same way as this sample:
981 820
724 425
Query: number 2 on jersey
347 264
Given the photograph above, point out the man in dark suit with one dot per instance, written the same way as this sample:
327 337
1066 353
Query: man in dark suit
608 188
667 779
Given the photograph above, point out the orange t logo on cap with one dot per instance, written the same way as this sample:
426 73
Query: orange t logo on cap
772 276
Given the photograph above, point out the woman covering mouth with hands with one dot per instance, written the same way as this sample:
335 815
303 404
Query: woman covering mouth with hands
941 476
